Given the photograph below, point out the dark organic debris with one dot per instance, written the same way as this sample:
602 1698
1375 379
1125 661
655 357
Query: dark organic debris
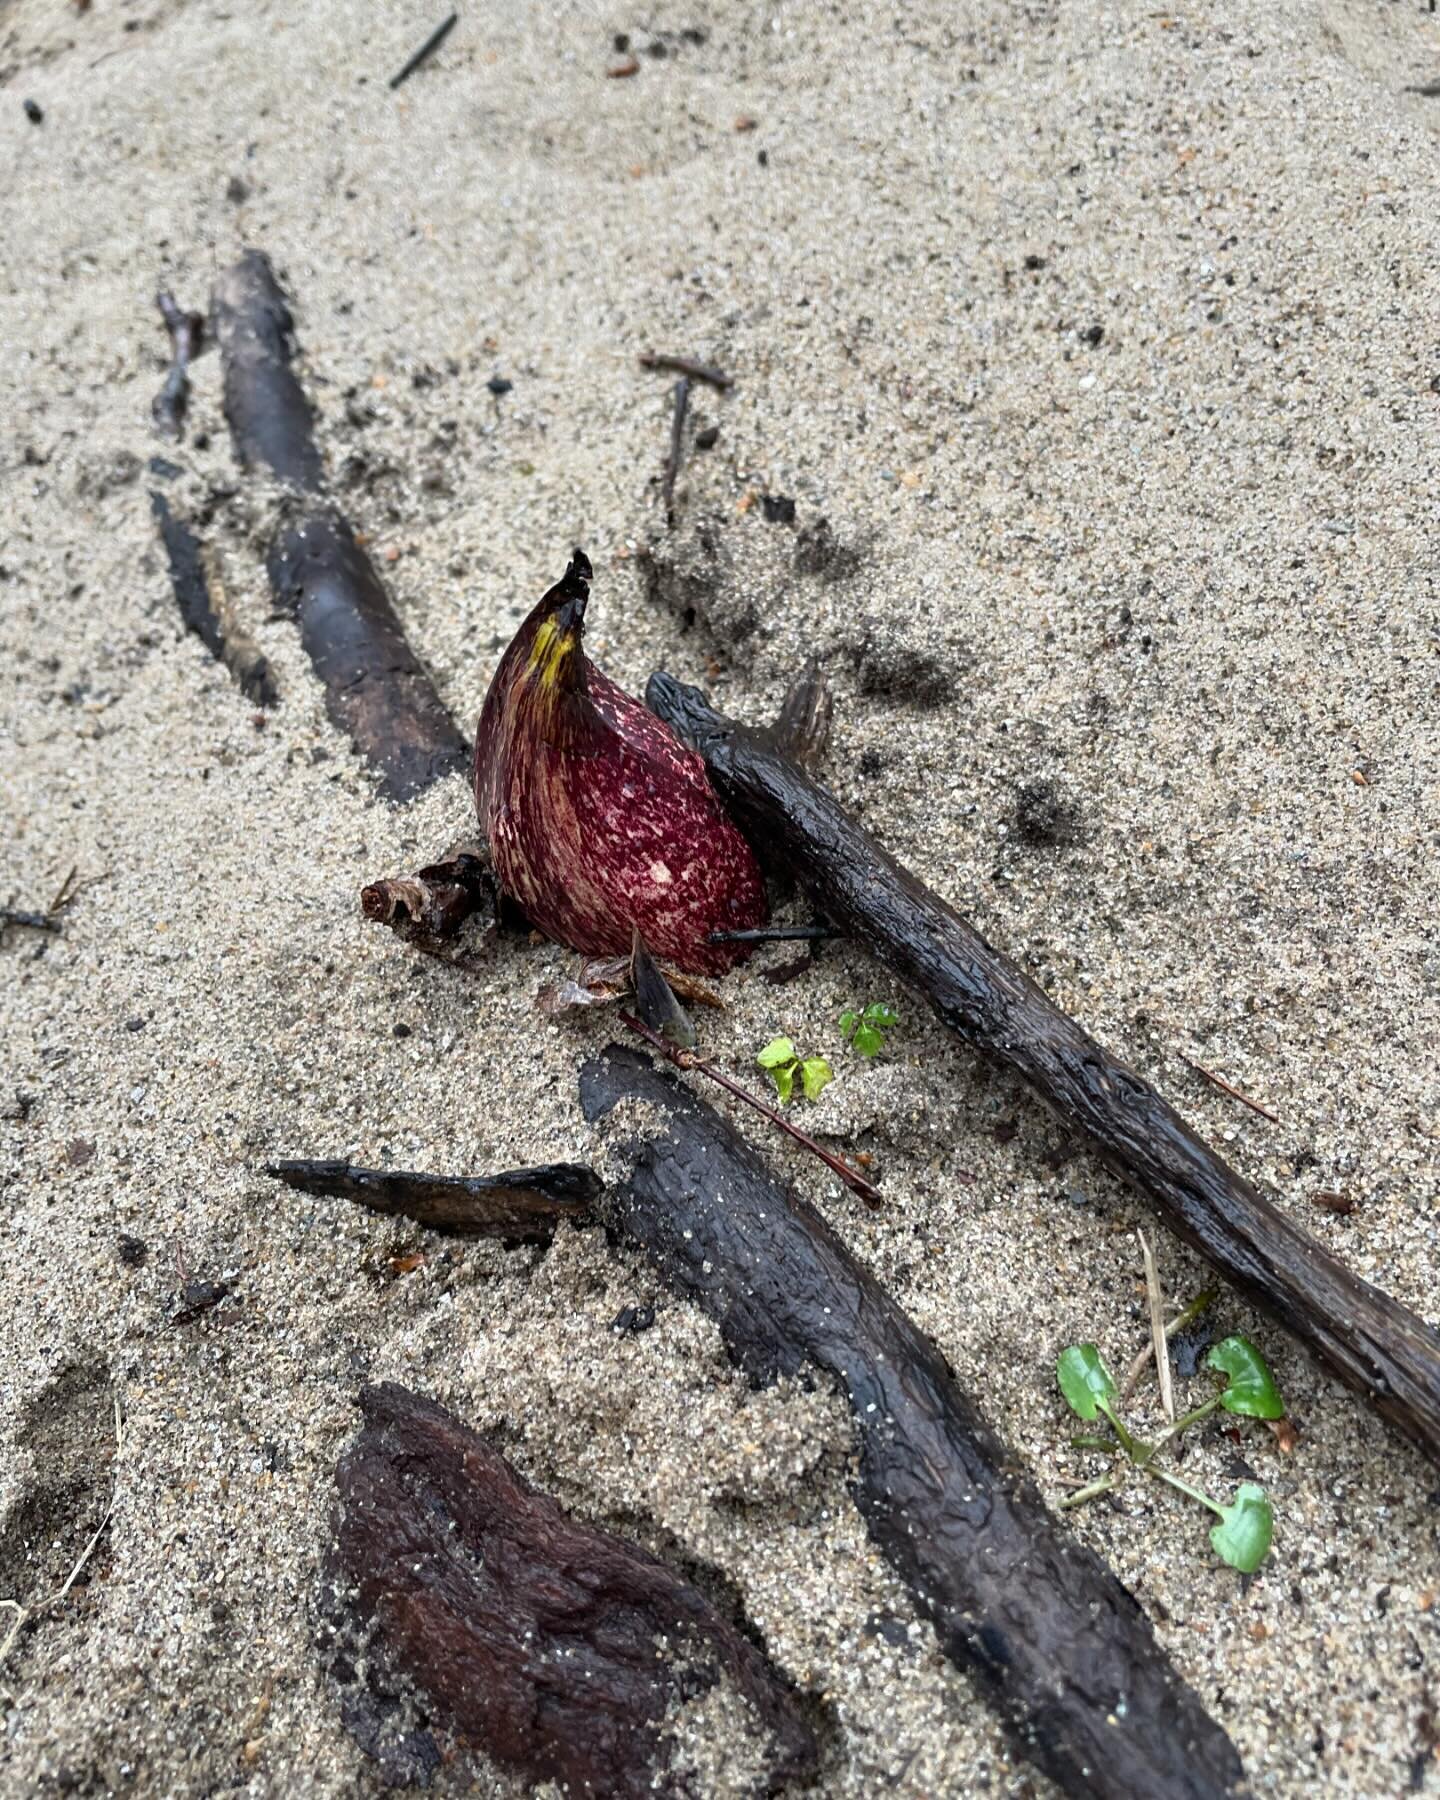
205 608
687 365
431 907
677 447
375 687
432 43
132 1251
1051 1638
519 1206
1377 1346
1332 1201
778 509
633 1319
776 934
655 999
1043 818
34 112
187 340
199 1297
28 921
553 1647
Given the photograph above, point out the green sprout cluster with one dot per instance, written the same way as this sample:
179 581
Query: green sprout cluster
1247 1524
863 1031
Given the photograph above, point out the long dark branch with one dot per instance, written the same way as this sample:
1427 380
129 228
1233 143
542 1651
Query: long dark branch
376 689
1051 1638
1372 1342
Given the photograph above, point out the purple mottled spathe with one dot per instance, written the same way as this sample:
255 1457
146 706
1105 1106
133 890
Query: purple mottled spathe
600 820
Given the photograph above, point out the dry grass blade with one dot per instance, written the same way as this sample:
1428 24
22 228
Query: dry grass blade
1159 1348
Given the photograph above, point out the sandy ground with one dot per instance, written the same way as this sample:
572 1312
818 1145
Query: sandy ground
1108 344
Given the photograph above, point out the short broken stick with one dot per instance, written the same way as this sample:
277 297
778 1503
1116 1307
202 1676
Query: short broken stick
205 608
187 340
1373 1343
520 1206
1052 1640
376 689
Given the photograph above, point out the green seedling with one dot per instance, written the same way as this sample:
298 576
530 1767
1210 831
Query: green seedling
1247 1525
865 1031
782 1064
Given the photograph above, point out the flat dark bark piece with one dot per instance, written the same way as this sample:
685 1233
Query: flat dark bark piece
203 612
1052 1640
550 1645
521 1205
376 688
1373 1343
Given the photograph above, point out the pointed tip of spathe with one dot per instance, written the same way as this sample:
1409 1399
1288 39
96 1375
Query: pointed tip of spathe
565 602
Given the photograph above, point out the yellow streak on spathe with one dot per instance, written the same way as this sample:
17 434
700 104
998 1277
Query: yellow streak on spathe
549 651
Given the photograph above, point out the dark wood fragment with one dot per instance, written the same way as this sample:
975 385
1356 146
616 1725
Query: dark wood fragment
376 689
271 424
1373 1343
520 1206
553 1647
687 365
677 447
432 43
205 610
1050 1637
187 340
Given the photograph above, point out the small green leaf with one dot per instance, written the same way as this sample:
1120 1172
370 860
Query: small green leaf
869 1040
848 1022
1085 1381
1246 1527
776 1052
814 1073
784 1079
1252 1390
882 1015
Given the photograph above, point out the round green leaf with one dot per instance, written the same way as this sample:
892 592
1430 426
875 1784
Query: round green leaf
814 1073
1251 1390
1084 1380
1243 1535
776 1052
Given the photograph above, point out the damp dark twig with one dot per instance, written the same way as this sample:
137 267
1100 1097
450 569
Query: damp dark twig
1224 1086
687 365
1377 1346
376 688
187 340
1054 1643
518 1206
205 610
28 921
432 43
776 934
687 1060
677 447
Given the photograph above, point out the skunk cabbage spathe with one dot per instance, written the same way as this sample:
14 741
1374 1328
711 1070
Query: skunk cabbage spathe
601 822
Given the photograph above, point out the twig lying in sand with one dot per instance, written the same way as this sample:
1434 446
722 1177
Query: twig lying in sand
50 919
687 1059
776 934
432 43
1144 1357
205 607
1224 1086
1053 1641
1375 1345
187 340
521 1205
25 1615
687 365
677 448
375 687
1158 1346
554 1647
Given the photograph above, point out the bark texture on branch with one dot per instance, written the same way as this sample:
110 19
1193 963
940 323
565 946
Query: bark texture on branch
376 689
1050 1637
554 1647
1373 1343
520 1205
